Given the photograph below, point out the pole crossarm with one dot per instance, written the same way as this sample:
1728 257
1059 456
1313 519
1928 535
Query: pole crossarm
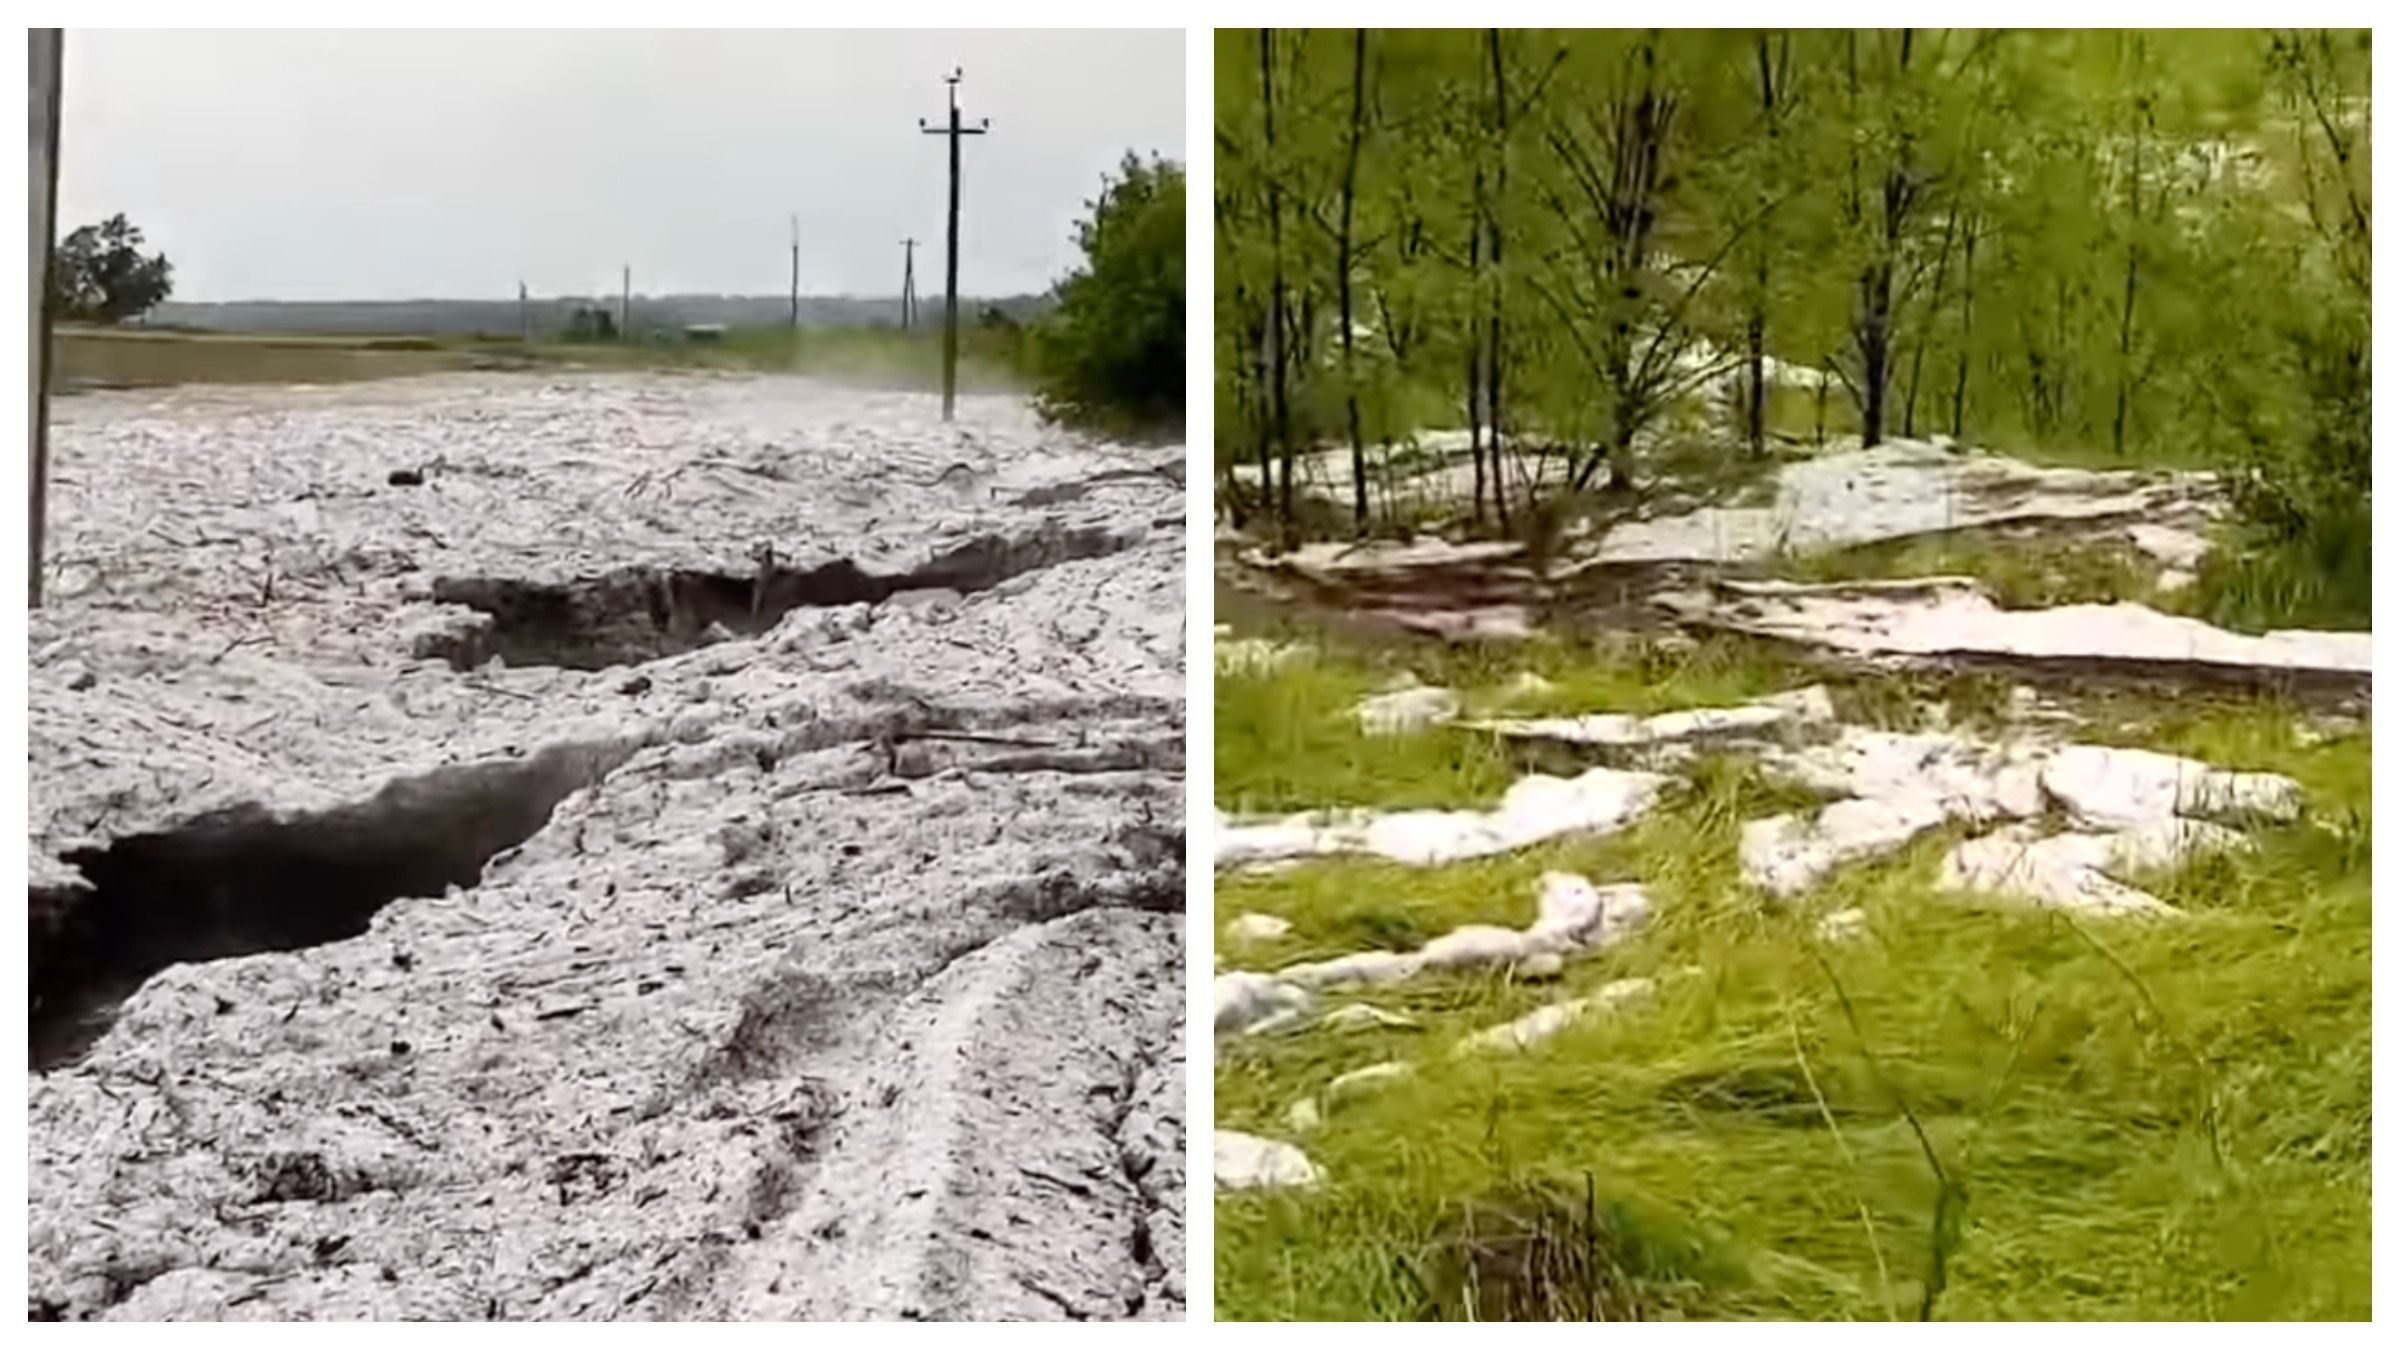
954 129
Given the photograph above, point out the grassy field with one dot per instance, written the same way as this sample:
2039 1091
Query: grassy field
2020 573
877 358
1969 1113
141 358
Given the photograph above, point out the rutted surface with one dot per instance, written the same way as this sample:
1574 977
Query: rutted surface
677 1051
244 880
1951 618
637 614
1612 569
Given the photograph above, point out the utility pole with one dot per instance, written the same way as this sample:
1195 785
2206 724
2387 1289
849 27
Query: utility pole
48 47
524 316
795 274
625 307
950 264
908 284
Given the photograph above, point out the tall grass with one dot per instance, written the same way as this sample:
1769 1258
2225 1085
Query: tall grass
1969 1113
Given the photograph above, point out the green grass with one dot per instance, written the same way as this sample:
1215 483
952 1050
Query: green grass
2128 1120
990 361
1290 740
2020 573
130 359
2323 579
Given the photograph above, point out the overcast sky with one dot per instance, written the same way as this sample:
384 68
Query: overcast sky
402 165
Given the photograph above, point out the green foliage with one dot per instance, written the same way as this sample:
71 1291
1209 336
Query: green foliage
1111 354
99 274
2020 573
2096 246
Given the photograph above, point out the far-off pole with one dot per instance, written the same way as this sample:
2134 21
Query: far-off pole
908 284
48 53
625 307
795 273
950 264
524 315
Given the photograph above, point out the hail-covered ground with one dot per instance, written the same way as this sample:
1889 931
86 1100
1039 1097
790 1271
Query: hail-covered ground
1745 914
605 846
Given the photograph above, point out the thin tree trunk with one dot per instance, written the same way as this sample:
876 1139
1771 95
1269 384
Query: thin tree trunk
1757 412
1261 350
1279 362
2133 266
1874 349
1966 337
1756 332
1475 345
1933 310
1358 109
1876 320
1496 347
2116 438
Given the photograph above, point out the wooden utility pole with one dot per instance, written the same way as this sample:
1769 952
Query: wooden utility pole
524 315
625 307
48 46
795 274
950 264
908 284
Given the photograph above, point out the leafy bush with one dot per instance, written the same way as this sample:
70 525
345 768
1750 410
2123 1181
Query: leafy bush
1110 355
98 274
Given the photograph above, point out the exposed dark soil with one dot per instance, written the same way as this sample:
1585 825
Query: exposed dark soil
637 614
243 881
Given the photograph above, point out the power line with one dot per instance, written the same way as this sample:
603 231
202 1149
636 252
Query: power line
950 263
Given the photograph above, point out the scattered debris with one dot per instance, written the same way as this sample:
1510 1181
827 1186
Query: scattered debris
1527 686
2073 871
1946 617
1367 1017
1573 916
1811 704
1535 808
1543 1023
2113 787
1898 489
1309 1112
1256 656
1249 928
1843 925
1245 1162
1787 854
1249 1003
1403 711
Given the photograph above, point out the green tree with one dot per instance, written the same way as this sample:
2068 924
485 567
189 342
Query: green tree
99 274
1110 354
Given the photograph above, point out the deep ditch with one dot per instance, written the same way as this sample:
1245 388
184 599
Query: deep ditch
243 881
632 615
